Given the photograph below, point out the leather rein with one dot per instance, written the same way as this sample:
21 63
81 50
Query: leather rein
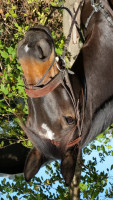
39 91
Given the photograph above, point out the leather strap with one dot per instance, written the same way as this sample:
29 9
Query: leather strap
36 92
70 144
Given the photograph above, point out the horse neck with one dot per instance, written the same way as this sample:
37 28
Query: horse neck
97 22
96 56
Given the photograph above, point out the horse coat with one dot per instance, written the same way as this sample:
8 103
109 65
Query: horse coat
56 119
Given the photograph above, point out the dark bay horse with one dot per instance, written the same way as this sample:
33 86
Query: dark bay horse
66 112
51 119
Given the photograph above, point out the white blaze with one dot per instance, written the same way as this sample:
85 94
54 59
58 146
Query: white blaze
49 134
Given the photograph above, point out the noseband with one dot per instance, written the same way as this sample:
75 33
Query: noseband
35 92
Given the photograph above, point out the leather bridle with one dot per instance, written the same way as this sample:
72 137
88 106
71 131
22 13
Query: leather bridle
62 78
38 90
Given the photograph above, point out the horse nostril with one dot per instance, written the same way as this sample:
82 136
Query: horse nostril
40 51
69 120
43 48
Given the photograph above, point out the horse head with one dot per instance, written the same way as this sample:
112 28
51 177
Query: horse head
51 123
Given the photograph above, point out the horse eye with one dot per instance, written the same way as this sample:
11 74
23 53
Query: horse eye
69 120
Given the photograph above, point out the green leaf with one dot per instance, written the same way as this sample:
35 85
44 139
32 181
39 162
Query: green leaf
7 15
19 27
4 89
10 50
83 187
2 143
4 54
111 167
16 24
29 143
58 51
7 196
109 147
4 181
14 7
15 198
53 4
11 191
103 148
14 15
98 148
92 146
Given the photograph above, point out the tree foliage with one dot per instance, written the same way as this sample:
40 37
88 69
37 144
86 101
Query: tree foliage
37 188
16 17
96 179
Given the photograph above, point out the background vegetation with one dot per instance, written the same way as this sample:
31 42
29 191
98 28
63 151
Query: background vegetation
16 16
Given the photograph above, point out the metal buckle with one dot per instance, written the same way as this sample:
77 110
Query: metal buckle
96 5
62 63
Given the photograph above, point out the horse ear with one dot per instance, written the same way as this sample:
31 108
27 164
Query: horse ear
34 161
68 165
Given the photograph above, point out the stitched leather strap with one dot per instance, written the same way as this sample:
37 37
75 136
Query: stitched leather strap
39 92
